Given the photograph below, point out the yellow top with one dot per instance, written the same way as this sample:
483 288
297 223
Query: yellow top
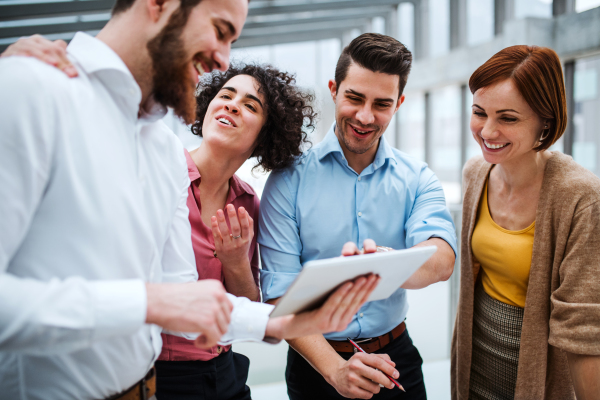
505 256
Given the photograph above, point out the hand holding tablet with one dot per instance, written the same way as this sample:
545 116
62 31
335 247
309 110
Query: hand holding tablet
319 278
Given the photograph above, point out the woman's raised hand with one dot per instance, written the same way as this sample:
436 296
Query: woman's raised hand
232 247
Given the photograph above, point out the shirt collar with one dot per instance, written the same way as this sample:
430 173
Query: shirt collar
152 112
237 187
331 144
95 57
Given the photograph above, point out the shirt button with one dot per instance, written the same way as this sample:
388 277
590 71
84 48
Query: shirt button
360 315
359 178
132 91
359 214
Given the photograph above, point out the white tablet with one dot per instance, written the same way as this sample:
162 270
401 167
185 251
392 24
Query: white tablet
319 278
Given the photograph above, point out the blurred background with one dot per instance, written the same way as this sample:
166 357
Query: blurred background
449 40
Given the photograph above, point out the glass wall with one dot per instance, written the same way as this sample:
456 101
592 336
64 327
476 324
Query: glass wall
411 124
406 25
587 118
533 8
439 27
584 5
444 143
473 148
480 21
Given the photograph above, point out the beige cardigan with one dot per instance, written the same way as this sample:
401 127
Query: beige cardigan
562 308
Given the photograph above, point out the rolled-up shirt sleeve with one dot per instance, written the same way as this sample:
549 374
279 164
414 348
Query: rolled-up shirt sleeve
575 312
429 216
279 239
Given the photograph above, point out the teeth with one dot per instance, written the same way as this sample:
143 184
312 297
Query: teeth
224 120
198 66
494 146
361 132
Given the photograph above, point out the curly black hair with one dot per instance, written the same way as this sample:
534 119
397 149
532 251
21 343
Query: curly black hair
288 109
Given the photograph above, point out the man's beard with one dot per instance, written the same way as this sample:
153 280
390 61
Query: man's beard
170 65
345 136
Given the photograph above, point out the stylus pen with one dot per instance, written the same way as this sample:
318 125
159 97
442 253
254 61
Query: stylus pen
362 351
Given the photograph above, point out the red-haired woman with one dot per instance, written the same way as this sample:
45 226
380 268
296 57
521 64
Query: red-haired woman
528 324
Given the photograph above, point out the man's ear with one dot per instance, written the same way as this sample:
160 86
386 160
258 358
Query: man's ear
156 8
399 103
333 89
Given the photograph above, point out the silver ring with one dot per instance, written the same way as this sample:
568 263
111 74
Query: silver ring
236 237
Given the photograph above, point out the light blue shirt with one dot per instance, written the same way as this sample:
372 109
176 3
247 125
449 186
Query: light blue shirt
308 212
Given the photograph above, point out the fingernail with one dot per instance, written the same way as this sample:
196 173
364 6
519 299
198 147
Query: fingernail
396 374
71 71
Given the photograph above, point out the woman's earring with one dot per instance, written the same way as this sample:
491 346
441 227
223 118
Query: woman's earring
543 137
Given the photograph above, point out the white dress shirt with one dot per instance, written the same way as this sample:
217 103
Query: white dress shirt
92 206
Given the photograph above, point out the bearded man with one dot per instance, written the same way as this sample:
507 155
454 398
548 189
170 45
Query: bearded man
95 242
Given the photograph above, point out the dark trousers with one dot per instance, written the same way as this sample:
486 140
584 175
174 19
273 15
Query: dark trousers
305 383
222 378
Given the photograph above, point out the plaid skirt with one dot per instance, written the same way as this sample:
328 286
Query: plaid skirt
496 343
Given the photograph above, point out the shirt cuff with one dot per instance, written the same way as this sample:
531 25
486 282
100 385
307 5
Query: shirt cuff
119 306
248 321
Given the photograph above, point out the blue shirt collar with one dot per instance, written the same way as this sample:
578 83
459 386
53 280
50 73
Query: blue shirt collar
331 144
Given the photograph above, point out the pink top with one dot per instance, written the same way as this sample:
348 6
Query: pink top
241 194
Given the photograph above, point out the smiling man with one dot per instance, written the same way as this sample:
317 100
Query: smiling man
350 187
95 241
93 215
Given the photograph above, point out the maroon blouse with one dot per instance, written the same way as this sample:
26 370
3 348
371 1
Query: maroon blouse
241 194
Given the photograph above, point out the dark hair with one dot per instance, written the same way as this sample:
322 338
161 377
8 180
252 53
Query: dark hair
537 74
124 5
378 53
288 110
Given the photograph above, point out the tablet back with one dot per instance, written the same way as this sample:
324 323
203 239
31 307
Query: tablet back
320 278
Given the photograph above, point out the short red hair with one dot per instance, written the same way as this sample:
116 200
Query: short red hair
537 74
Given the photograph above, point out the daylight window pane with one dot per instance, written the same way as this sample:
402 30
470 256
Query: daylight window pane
412 126
445 140
439 27
584 5
533 8
406 25
586 118
480 21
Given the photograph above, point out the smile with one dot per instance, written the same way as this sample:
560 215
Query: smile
494 146
225 120
199 68
359 131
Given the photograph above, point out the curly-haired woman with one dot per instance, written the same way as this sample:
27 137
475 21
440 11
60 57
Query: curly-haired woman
247 111
528 324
